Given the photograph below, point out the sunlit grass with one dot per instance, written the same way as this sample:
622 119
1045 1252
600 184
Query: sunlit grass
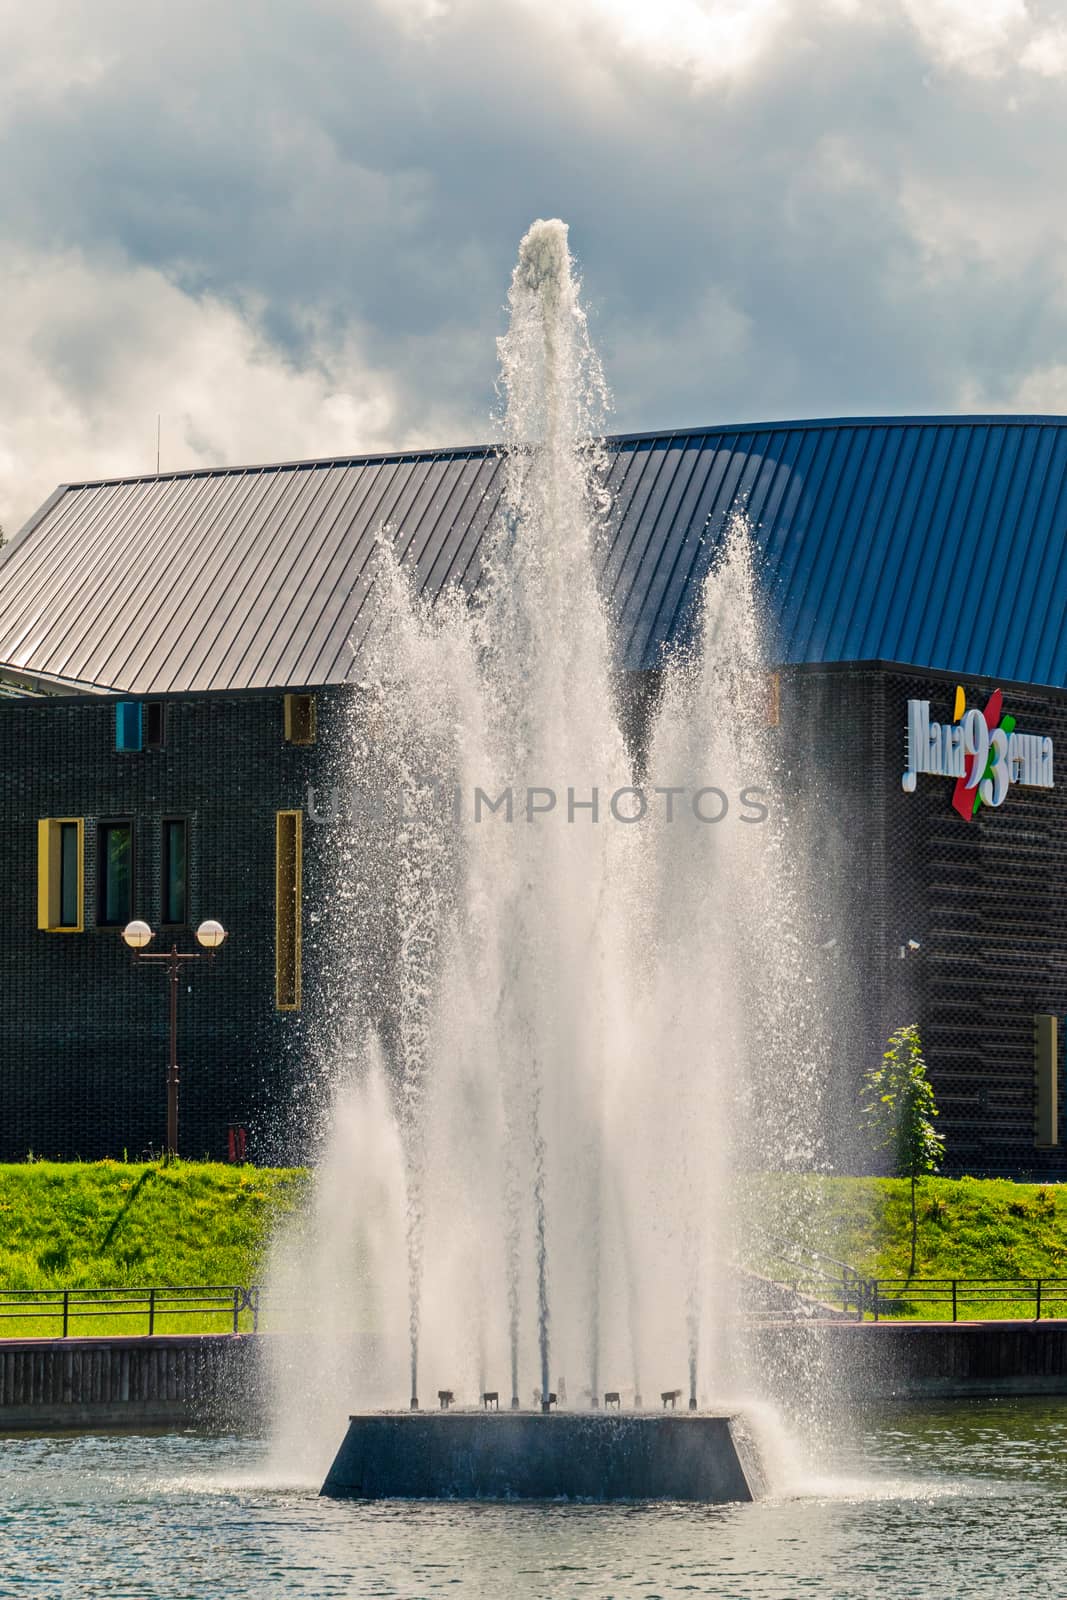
108 1224
969 1228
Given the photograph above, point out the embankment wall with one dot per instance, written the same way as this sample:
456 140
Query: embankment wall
214 1380
221 1380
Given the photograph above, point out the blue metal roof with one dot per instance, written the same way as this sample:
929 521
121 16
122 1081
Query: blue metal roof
933 541
936 541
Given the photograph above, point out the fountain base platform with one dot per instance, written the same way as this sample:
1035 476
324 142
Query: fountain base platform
526 1455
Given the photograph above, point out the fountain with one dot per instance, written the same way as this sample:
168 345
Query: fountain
563 1017
577 1455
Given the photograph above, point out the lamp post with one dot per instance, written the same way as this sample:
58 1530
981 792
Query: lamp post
209 935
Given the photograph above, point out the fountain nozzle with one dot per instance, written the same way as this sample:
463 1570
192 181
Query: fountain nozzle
547 1403
414 1402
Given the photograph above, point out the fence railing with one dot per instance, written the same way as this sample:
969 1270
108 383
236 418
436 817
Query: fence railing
817 1281
83 1311
967 1299
814 1278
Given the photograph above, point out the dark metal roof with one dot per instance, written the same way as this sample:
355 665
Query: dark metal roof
938 541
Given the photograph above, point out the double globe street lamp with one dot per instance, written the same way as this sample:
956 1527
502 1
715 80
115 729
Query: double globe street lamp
209 936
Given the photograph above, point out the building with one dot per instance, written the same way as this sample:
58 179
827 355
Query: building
174 649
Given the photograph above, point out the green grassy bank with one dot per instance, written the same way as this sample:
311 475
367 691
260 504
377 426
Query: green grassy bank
968 1228
107 1223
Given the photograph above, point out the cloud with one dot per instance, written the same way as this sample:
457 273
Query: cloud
90 355
974 35
781 208
708 43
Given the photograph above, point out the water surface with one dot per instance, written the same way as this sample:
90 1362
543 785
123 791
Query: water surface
967 1500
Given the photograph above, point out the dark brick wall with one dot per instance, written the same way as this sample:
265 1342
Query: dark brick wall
83 1034
985 899
832 737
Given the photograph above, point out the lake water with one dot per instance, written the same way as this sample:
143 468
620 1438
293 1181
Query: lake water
962 1500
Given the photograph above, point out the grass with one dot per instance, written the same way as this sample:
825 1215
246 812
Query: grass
968 1228
67 1225
105 1224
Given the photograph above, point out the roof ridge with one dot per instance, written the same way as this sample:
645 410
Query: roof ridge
877 538
361 458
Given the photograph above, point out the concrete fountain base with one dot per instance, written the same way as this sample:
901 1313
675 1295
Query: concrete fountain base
525 1455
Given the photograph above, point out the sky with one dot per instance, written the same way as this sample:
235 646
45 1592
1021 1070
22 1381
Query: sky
286 227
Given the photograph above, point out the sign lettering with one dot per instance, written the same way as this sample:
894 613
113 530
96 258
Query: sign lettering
983 750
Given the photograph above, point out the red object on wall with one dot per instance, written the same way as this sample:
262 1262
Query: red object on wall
237 1142
962 797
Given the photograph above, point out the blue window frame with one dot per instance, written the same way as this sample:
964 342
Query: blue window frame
129 725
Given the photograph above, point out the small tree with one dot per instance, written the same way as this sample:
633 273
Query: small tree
899 1112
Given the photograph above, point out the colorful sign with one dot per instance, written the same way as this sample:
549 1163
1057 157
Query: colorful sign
983 750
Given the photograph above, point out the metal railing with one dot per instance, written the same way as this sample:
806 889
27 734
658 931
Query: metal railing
966 1299
66 1307
814 1278
817 1280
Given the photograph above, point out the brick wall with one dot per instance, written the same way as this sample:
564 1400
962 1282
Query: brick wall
83 1034
986 900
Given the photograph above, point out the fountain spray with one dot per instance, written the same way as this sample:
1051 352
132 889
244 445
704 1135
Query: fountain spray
570 1022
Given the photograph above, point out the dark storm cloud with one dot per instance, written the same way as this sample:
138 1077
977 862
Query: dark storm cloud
857 218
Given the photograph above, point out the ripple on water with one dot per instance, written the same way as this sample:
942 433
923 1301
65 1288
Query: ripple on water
967 1500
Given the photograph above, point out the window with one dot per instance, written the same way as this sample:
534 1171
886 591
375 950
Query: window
114 874
175 863
60 874
1046 1097
140 725
129 725
70 835
155 725
287 890
300 718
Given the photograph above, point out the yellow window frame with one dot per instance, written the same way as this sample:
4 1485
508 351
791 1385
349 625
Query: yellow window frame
49 869
288 910
300 719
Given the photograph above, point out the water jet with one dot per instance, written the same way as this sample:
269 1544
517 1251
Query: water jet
581 1012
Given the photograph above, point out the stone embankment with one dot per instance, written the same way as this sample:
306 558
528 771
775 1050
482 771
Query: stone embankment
916 1360
168 1381
219 1380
